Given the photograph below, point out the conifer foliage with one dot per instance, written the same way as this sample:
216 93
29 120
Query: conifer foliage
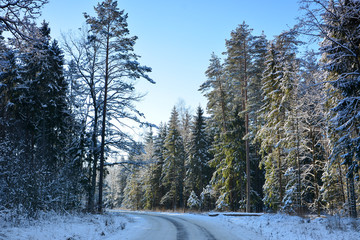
280 131
53 122
38 130
174 165
282 125
336 22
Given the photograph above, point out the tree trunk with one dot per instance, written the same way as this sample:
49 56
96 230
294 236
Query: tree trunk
280 173
102 150
95 160
94 147
247 148
352 198
222 102
298 163
317 192
342 184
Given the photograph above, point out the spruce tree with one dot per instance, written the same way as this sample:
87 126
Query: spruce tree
11 144
151 181
174 165
289 86
279 82
215 89
134 191
198 172
268 134
156 170
312 130
42 130
255 101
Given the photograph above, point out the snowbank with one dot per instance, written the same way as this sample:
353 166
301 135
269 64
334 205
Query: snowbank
280 226
118 225
66 227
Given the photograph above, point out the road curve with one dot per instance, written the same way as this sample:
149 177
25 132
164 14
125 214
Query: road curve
178 227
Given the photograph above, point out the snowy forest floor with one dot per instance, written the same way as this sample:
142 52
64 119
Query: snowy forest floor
118 225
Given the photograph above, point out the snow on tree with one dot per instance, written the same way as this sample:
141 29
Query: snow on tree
16 16
311 123
238 63
208 198
174 165
193 201
222 203
154 189
228 178
258 49
225 147
336 22
215 90
86 91
120 69
47 170
279 80
198 171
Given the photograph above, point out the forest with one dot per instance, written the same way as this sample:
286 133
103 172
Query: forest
280 132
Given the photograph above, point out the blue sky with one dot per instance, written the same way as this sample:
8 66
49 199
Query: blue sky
176 39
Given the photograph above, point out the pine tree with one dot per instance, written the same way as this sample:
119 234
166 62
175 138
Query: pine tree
238 64
120 67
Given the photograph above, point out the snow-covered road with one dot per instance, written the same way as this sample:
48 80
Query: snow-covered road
181 227
126 225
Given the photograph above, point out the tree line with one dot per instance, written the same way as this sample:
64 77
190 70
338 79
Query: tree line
282 131
62 117
280 134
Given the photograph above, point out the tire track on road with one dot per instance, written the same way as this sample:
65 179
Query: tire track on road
183 229
182 234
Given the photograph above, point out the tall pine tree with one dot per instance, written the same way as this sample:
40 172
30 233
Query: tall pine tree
120 68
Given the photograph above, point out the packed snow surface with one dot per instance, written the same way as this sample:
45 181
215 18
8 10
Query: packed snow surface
135 225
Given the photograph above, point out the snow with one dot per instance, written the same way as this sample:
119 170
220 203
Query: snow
122 225
193 202
281 226
74 227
